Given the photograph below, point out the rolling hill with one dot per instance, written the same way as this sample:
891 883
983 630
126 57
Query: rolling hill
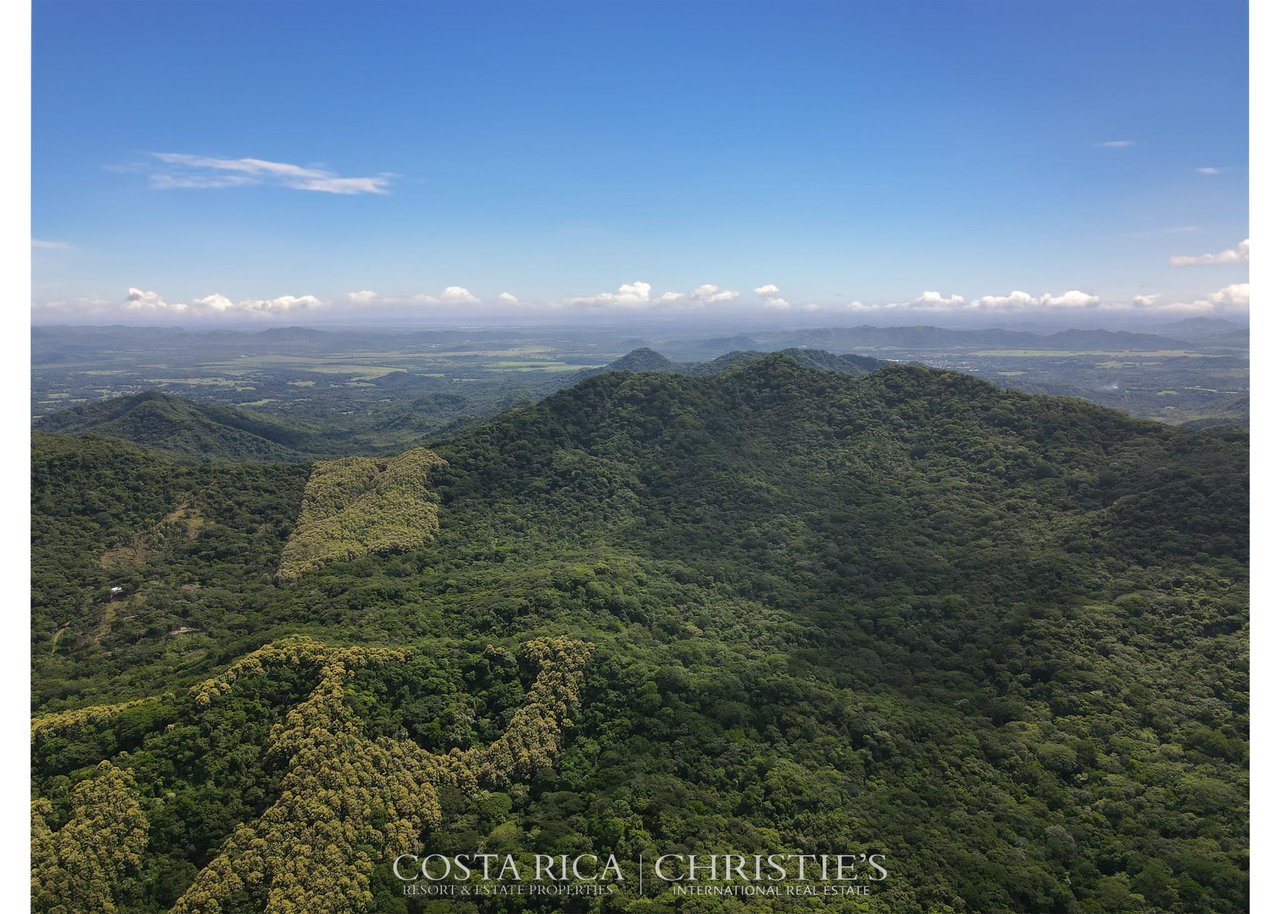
183 427
648 360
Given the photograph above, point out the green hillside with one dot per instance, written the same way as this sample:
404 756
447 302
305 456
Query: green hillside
182 427
1000 638
357 505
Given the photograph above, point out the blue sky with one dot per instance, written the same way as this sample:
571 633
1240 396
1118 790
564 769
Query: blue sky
199 160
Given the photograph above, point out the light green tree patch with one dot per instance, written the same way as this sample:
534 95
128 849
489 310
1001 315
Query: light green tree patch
360 505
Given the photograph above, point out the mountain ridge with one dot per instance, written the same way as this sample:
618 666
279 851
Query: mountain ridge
181 426
205 429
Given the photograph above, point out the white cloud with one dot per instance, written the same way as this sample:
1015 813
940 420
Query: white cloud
138 300
1014 300
44 245
452 295
1073 299
705 294
147 302
935 299
1017 300
1209 170
218 304
629 295
1115 144
1238 254
639 295
710 294
194 171
772 295
1232 297
457 295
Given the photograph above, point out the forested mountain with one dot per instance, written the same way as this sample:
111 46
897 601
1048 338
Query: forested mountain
642 359
181 426
1000 638
645 359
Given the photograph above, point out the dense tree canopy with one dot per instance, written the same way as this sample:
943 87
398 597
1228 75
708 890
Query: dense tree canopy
1000 638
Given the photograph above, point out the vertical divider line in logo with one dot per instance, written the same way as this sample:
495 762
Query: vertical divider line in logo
642 874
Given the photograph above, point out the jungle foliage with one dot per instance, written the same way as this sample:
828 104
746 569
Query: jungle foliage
1000 638
358 505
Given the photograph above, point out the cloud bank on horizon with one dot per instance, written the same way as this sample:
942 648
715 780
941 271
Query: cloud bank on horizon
638 297
635 297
